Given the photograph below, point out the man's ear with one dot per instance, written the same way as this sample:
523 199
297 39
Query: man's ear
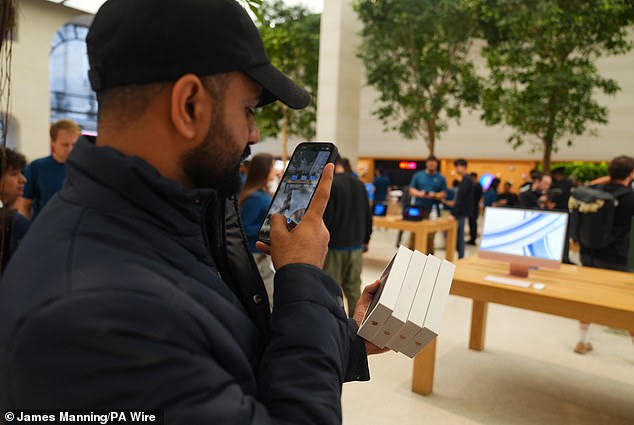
190 107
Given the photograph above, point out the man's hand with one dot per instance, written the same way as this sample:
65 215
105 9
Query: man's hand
359 313
417 193
308 242
451 217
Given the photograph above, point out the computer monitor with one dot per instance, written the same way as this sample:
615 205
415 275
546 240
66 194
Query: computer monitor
524 237
379 210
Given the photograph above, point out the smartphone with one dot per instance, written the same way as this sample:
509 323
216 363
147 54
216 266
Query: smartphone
298 184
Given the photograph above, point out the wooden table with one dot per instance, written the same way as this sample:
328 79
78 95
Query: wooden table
583 293
421 229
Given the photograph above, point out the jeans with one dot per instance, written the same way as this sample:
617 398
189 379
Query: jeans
460 236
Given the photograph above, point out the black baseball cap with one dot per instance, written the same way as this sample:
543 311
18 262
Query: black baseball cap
150 41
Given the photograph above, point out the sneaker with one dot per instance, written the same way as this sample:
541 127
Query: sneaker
583 348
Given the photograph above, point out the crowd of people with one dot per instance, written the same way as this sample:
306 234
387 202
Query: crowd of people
26 189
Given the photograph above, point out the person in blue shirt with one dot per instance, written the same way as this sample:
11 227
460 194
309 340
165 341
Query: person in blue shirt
244 169
45 176
427 189
490 197
381 186
451 194
254 202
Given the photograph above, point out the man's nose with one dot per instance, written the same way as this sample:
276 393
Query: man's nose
254 133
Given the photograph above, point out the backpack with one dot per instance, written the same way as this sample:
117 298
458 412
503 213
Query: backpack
592 215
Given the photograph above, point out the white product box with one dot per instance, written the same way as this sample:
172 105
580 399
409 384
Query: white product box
432 321
392 326
418 304
384 300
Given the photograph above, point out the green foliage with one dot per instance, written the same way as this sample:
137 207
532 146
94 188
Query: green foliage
415 54
254 6
541 56
291 38
580 170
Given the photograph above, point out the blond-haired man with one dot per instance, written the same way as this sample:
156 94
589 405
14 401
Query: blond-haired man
45 176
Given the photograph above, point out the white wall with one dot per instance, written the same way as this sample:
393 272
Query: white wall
38 21
470 138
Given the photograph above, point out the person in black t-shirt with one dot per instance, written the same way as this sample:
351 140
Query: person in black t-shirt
475 209
462 205
349 220
561 186
613 256
538 192
508 198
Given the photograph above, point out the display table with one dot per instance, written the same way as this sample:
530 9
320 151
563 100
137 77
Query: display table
421 229
583 293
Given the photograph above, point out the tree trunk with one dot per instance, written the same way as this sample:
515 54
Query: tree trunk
284 134
431 137
548 151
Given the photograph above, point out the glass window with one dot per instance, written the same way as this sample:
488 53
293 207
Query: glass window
6 139
71 95
2 135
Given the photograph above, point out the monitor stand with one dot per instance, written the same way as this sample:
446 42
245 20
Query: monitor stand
518 270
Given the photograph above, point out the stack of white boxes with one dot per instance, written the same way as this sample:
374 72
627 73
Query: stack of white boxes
406 312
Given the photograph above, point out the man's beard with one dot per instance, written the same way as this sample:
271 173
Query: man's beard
209 166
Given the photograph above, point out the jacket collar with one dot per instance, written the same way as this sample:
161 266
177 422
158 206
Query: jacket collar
96 172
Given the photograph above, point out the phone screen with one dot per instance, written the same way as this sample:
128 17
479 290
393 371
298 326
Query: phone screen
298 184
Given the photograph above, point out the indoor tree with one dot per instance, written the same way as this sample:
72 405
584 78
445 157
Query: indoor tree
542 73
417 56
291 37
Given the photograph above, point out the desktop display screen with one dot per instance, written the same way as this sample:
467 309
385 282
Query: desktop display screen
379 210
522 232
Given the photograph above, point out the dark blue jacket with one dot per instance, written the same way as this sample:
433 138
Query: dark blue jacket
130 293
463 206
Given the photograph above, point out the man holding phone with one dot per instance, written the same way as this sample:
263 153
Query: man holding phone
145 295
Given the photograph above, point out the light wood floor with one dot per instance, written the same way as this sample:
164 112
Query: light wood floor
527 374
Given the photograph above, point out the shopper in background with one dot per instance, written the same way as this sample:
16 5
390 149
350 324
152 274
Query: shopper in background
45 176
615 255
560 188
451 195
381 185
13 224
427 189
244 169
507 197
462 205
254 203
528 185
490 197
538 192
349 220
475 210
